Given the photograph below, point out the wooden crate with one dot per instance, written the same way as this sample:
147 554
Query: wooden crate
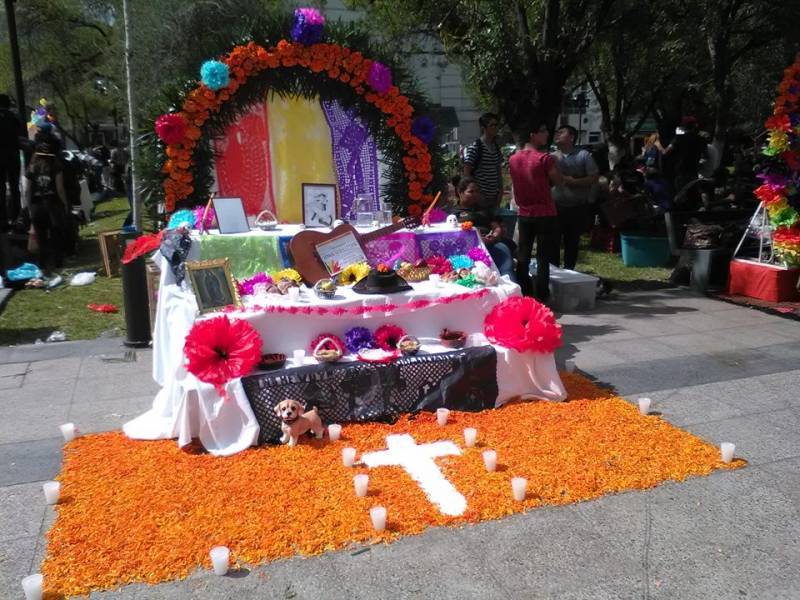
153 273
109 249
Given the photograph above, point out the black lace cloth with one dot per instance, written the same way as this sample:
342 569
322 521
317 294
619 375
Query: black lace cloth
175 246
358 392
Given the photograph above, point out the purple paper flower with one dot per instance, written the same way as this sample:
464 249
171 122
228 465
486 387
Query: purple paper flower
248 286
308 26
380 77
357 339
424 128
211 217
479 254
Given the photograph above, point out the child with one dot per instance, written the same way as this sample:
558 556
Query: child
489 228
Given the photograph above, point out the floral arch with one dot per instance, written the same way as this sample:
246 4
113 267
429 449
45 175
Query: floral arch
182 155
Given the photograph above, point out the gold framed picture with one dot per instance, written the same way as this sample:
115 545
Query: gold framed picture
213 284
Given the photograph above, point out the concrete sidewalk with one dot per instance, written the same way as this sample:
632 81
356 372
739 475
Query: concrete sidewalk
723 372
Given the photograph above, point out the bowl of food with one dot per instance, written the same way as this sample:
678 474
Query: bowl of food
325 288
270 362
408 345
452 339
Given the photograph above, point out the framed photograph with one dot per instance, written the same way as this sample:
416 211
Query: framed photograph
319 204
230 215
213 284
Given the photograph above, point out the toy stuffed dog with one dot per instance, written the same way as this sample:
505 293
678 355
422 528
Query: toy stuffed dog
295 422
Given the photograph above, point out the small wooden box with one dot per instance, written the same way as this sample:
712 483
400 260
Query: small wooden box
109 249
153 273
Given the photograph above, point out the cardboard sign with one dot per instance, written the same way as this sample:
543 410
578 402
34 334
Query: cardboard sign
340 252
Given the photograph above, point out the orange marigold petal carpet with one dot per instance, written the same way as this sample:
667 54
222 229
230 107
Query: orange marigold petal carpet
146 511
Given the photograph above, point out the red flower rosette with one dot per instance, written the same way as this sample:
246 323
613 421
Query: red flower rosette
334 343
523 324
218 350
439 264
387 336
171 128
144 244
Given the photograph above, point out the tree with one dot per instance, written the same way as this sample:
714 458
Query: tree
518 55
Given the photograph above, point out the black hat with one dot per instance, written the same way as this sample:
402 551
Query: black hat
381 283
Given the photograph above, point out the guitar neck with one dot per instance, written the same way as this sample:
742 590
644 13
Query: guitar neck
372 235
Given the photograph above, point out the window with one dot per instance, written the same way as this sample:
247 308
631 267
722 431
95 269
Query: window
594 137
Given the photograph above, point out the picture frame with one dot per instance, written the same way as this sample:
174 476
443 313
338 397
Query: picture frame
109 250
213 284
320 204
231 217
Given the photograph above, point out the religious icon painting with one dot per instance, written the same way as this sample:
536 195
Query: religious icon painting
319 204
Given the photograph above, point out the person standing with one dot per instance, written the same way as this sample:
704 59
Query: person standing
10 130
47 201
573 196
483 162
533 172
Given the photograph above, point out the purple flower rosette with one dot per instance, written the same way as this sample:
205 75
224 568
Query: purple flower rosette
248 286
424 129
478 254
358 338
308 26
379 77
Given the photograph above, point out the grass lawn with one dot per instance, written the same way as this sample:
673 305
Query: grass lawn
34 314
609 267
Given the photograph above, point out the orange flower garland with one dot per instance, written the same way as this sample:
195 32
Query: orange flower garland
133 512
337 62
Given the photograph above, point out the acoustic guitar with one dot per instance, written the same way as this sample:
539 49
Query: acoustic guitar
303 246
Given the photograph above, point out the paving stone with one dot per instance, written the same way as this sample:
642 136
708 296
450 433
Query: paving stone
31 422
22 509
42 394
107 415
111 388
27 461
16 557
13 369
57 369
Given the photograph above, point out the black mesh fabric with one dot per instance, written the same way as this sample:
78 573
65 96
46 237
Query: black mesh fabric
358 392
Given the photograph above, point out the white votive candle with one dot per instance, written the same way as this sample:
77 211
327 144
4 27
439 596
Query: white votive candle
68 431
569 365
519 486
294 293
334 431
490 460
52 490
220 555
442 414
360 482
435 279
348 456
32 586
378 516
644 406
727 449
299 356
470 436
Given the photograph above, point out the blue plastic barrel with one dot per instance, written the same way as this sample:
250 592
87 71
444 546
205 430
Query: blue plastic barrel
645 251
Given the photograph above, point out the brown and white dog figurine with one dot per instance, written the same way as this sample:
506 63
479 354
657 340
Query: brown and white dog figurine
295 422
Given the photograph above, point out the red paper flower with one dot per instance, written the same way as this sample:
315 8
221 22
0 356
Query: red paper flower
142 245
524 325
439 264
387 336
218 350
336 344
171 128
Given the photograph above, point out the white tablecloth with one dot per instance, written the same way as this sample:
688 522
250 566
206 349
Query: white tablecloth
187 408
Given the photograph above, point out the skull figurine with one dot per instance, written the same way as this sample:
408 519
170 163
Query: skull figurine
452 221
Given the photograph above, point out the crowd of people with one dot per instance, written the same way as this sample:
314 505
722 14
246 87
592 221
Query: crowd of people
560 194
42 200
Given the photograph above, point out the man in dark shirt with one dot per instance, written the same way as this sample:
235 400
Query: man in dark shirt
10 130
686 151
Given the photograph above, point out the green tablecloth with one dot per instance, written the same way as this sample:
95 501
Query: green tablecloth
248 254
